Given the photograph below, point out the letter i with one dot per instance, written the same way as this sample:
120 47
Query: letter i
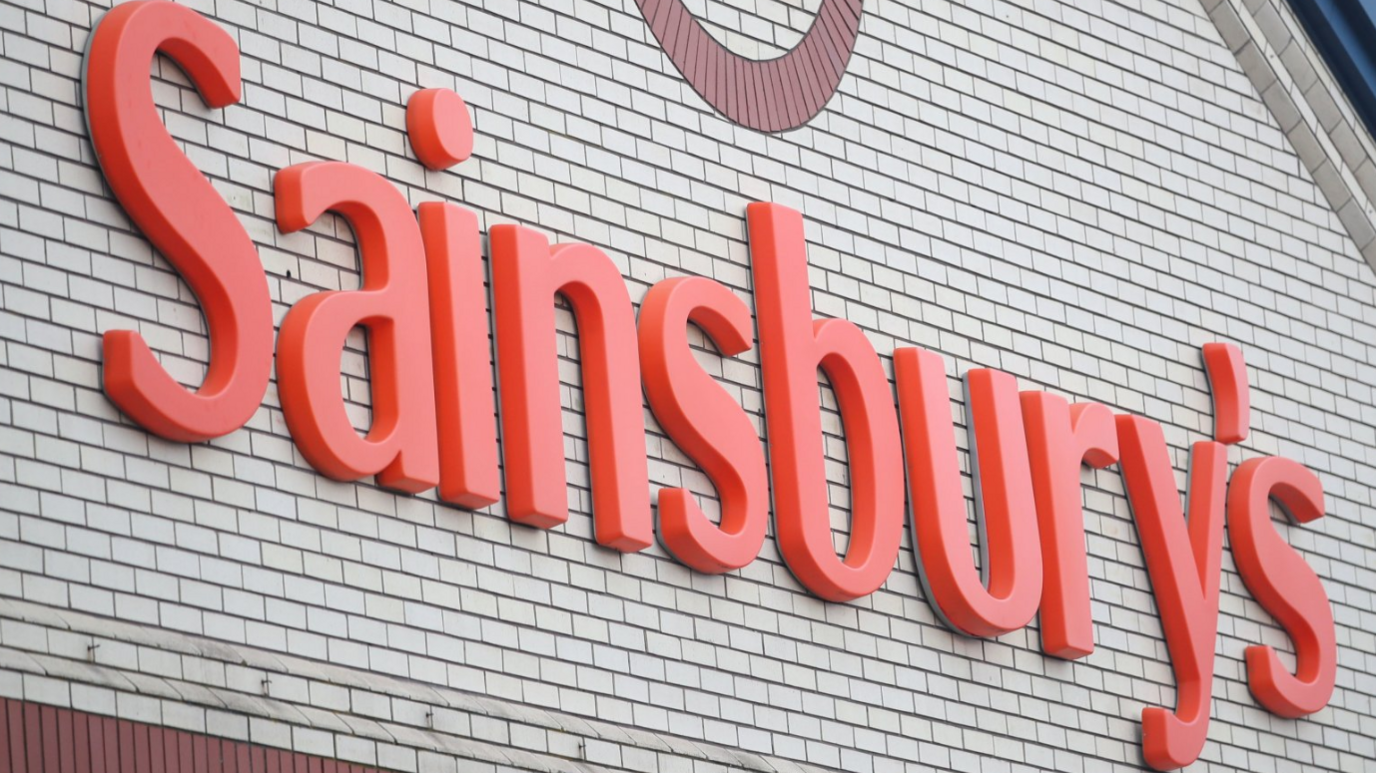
441 134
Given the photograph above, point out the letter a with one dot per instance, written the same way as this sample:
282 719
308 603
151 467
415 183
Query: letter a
401 447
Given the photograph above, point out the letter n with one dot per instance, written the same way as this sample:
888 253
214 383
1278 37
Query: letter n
526 275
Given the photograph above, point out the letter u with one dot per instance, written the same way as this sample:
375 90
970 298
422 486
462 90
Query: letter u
1005 508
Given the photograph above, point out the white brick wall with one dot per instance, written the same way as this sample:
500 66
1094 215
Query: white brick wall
1079 193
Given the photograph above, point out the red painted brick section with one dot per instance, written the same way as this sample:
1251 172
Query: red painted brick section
44 739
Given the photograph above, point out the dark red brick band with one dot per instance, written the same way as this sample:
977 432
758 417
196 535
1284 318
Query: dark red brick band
45 739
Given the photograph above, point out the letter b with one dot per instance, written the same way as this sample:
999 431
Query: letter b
792 348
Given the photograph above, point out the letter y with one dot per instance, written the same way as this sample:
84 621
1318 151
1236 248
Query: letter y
1183 561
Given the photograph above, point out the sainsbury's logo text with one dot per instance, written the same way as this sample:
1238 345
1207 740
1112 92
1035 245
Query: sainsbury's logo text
424 305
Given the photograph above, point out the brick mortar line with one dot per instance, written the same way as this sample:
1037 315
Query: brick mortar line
933 258
239 706
1318 449
659 559
795 615
1116 109
670 71
1263 225
1104 487
972 75
1314 59
753 360
651 432
1252 447
1055 236
1179 468
426 193
669 169
1238 679
252 659
168 737
753 386
387 686
1270 55
899 341
716 646
1308 537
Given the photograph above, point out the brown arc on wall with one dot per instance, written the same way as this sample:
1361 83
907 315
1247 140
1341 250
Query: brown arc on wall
769 95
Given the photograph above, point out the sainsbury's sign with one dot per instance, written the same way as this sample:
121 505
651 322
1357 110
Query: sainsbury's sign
423 303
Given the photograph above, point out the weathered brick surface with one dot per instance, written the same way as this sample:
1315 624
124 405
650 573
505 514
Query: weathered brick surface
1078 193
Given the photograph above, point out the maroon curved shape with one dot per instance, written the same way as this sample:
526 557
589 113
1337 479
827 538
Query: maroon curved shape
769 95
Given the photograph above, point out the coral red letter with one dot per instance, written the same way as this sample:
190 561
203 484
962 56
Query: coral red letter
401 446
1232 397
705 422
1004 503
792 348
1183 562
183 216
1060 439
440 129
463 356
1283 584
526 274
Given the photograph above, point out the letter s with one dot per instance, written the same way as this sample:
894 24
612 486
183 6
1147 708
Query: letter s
1284 584
182 215
706 422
